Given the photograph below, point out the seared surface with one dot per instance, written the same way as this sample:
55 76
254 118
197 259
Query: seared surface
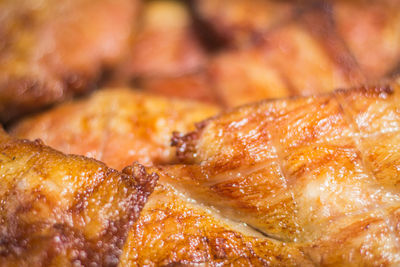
64 210
287 182
174 229
319 171
116 126
50 50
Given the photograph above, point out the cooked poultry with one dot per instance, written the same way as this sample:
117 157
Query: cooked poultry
116 126
64 210
285 182
173 229
296 181
321 171
50 50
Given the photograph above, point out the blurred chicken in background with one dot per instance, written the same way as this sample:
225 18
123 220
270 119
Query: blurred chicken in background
51 50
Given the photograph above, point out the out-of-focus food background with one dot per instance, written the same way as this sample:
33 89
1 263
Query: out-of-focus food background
226 52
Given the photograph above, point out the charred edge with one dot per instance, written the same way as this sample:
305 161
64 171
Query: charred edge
185 145
145 181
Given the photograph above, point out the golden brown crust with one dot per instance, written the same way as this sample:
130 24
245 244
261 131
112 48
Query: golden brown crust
174 230
64 210
54 50
309 170
116 126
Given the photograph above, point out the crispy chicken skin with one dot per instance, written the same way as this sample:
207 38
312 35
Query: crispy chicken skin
294 181
64 210
174 229
50 50
321 172
117 126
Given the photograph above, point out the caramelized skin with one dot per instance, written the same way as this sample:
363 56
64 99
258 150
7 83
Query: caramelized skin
322 172
116 126
64 210
52 50
175 230
315 180
186 233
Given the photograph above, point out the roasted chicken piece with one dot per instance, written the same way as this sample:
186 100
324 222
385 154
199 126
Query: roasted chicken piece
50 50
314 179
114 122
64 210
174 229
116 126
320 171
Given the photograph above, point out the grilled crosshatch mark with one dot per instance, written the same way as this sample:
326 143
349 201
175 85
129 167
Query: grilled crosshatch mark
325 147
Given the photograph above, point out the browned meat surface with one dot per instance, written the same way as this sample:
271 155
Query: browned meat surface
116 126
64 210
321 172
174 229
295 181
50 50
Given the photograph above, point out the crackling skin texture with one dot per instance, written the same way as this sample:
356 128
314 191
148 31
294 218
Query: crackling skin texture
117 126
293 181
51 50
64 210
321 172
